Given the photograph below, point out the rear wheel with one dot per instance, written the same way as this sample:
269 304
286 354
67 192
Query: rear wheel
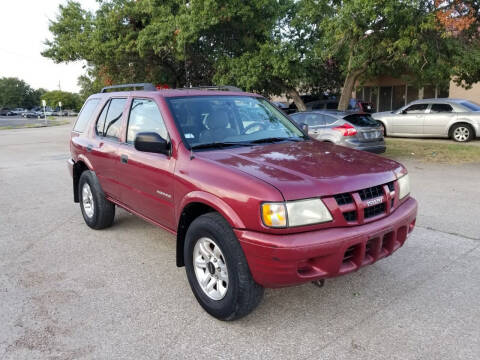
97 211
382 126
462 132
217 270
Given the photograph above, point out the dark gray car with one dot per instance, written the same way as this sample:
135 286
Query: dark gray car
352 129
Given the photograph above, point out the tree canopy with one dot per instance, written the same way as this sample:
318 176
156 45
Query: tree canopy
17 93
69 100
268 46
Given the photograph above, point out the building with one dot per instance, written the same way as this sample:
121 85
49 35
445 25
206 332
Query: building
472 94
388 93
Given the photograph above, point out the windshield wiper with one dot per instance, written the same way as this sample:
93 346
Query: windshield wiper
275 139
218 144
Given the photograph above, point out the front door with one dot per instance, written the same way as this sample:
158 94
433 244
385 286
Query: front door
410 120
147 178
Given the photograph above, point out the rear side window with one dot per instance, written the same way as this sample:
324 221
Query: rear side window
329 120
298 118
85 115
110 120
361 120
145 117
441 108
332 105
314 120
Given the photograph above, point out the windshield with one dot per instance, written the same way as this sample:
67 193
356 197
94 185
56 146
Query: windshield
230 120
471 105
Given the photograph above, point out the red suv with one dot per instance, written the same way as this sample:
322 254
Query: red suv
253 201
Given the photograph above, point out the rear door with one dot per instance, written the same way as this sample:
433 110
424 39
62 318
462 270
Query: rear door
410 120
147 178
437 119
316 124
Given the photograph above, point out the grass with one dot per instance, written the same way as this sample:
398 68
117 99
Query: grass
445 151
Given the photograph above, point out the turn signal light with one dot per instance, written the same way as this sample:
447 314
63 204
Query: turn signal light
346 130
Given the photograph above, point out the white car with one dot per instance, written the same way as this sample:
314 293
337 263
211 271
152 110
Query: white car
451 118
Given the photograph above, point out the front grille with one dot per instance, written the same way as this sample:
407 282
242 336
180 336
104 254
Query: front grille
391 187
371 193
349 254
350 215
343 199
374 210
347 202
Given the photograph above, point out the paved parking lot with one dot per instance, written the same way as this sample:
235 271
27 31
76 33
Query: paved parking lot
68 292
18 121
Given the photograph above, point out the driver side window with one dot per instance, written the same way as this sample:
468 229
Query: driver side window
145 117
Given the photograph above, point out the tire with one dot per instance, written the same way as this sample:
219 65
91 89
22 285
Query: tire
97 211
232 296
383 128
462 132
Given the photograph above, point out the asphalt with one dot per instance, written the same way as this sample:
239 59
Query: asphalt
69 292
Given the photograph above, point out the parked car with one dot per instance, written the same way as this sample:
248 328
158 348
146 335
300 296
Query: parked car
352 129
33 114
253 201
71 113
450 118
362 106
6 112
322 105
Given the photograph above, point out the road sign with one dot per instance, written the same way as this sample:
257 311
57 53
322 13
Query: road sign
60 103
44 103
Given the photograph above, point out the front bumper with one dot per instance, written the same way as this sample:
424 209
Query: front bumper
283 260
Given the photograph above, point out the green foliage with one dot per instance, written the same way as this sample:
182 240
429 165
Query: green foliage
269 46
68 100
17 93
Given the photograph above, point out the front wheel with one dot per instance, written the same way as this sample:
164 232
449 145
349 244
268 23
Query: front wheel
217 270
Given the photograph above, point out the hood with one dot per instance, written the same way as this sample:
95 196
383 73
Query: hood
309 168
383 114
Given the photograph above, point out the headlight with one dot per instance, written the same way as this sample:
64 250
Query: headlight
295 213
404 186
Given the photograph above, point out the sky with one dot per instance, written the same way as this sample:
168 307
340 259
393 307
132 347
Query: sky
23 30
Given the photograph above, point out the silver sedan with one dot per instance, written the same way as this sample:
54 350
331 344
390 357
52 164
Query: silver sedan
350 128
453 118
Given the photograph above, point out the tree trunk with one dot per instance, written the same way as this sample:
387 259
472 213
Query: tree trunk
293 93
349 84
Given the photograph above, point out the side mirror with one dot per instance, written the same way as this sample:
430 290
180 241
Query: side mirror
304 127
403 112
151 142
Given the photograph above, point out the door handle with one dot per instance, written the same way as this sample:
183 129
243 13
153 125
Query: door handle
89 147
124 159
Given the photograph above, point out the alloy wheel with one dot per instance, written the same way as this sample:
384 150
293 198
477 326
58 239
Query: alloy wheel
461 133
210 268
87 200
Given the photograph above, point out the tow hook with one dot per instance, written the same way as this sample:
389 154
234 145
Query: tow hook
319 283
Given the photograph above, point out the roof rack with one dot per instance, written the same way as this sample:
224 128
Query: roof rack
145 86
214 87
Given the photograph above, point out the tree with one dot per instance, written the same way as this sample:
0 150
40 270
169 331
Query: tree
176 42
285 63
370 37
17 93
68 100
